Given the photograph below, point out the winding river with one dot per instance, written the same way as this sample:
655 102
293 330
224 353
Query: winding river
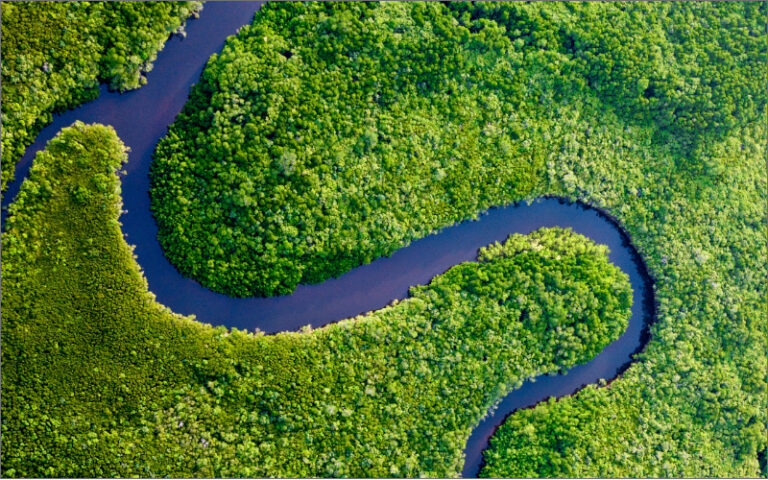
141 118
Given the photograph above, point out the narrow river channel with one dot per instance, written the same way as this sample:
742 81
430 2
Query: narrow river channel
141 118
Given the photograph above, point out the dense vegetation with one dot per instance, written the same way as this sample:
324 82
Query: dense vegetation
327 135
681 165
695 402
694 71
98 380
654 111
56 53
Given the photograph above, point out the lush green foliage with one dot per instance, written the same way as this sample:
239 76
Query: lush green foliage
327 135
692 193
652 110
99 380
695 402
693 70
56 53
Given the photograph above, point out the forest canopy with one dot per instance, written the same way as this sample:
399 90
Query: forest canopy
101 381
55 54
691 194
328 134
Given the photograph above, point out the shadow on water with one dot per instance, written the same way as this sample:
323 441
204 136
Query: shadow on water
141 118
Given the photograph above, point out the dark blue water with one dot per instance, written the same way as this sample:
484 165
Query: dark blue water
141 118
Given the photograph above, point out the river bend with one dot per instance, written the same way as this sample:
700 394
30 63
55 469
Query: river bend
141 118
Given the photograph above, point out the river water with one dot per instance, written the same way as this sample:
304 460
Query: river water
141 118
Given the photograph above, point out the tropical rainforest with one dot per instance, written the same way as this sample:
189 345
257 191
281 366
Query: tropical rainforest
393 392
55 54
325 135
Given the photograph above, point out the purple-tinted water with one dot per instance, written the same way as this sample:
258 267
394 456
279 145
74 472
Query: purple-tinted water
141 118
